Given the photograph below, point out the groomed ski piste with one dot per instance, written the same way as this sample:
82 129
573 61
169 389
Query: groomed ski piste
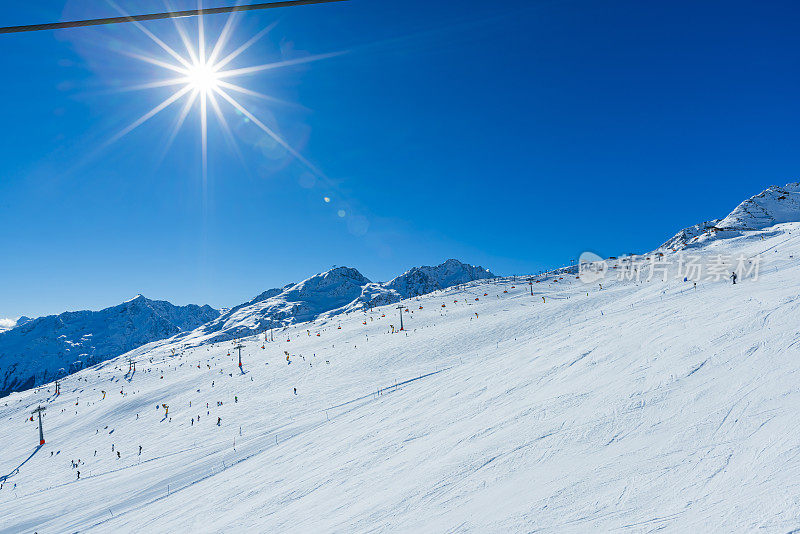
641 406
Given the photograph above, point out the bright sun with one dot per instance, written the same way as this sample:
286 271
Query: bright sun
203 77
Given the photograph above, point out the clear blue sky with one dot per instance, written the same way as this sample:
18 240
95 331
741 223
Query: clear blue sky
511 134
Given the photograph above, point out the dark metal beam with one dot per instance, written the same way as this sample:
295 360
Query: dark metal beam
158 16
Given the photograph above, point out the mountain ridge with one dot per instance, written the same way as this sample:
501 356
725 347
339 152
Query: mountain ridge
45 348
774 205
327 294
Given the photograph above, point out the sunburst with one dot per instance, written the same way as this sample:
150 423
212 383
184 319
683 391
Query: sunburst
203 78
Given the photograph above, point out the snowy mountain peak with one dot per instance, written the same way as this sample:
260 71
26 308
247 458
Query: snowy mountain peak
332 279
772 206
34 350
327 294
426 279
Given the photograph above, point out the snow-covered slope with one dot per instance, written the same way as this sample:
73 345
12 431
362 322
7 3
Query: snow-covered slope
38 350
643 406
772 206
339 290
689 235
645 403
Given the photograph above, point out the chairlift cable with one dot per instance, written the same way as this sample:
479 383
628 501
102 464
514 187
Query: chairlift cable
158 16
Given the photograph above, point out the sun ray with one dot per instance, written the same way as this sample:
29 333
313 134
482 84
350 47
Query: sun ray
225 127
152 85
266 129
277 65
182 34
250 92
224 36
156 62
150 114
201 36
233 55
204 141
168 49
187 107
218 112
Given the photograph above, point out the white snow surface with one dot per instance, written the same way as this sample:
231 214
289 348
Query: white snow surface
639 407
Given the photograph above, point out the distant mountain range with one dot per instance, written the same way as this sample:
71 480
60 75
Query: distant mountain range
36 351
39 350
339 290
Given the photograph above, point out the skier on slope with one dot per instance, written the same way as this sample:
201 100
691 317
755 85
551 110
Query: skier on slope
733 277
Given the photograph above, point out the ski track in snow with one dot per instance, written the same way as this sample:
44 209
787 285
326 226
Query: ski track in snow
639 407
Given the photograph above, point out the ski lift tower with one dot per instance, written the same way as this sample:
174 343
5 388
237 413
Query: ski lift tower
401 316
270 332
39 411
240 347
